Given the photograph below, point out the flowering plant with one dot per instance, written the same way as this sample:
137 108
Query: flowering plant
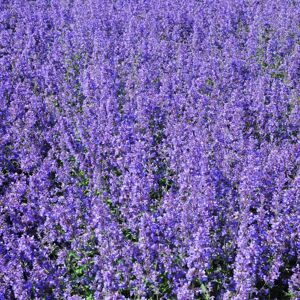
149 149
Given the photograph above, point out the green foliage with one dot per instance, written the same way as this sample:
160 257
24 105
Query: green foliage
209 82
80 175
164 287
72 77
121 93
156 194
77 273
129 235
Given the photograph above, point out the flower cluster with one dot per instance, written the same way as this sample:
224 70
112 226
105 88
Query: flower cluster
149 149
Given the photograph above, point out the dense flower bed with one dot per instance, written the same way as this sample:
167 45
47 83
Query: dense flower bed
149 149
